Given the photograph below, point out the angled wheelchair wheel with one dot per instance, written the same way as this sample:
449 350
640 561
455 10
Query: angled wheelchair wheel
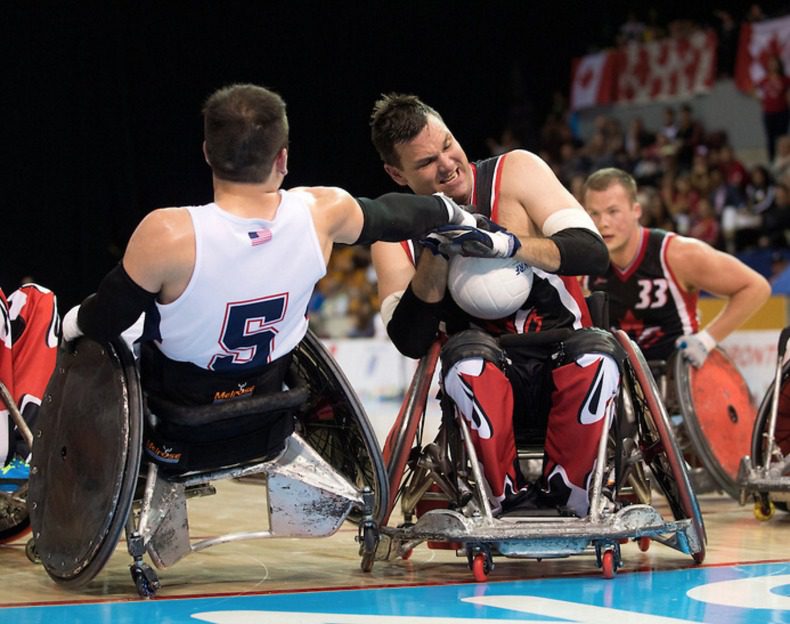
86 459
656 439
782 432
718 415
334 423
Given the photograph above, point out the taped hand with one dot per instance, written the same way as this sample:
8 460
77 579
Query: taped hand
696 347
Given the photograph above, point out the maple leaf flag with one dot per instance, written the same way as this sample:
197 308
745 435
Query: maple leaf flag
757 42
592 80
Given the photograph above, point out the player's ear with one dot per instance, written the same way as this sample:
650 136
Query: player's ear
638 210
396 175
205 154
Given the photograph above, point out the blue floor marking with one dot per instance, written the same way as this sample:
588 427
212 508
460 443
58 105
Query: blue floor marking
741 594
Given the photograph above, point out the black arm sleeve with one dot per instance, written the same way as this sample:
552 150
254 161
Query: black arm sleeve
115 306
582 252
414 324
399 216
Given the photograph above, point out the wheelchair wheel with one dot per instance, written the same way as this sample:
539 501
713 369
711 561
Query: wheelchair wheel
782 433
718 416
659 448
86 459
334 423
14 518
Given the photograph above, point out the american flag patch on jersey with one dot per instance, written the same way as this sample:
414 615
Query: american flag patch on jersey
259 237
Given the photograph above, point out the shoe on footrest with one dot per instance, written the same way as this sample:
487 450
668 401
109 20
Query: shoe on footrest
14 475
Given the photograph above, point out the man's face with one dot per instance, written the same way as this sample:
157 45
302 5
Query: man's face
433 162
615 216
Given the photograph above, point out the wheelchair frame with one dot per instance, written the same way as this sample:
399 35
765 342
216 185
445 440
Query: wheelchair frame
14 517
446 473
767 470
311 490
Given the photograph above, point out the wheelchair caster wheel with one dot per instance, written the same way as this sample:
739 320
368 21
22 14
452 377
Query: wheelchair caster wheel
369 544
145 579
764 509
481 567
643 543
608 564
480 561
31 551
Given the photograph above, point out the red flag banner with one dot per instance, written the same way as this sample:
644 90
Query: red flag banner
592 79
666 69
757 42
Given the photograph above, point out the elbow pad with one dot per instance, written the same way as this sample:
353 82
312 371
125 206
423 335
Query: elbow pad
115 306
414 324
582 252
398 216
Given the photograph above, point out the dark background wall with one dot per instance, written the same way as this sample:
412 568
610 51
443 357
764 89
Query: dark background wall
101 100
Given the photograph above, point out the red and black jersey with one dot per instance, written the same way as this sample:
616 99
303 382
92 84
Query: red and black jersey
646 300
555 301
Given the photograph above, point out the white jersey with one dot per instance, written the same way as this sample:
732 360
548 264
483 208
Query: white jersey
246 302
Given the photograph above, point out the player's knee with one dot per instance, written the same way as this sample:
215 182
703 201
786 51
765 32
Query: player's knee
472 343
593 341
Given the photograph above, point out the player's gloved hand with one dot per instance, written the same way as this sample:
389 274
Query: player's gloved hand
71 330
487 240
457 214
696 347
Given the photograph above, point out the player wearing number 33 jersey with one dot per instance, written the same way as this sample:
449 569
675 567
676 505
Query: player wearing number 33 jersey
645 299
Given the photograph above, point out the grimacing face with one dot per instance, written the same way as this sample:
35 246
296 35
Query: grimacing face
615 216
434 162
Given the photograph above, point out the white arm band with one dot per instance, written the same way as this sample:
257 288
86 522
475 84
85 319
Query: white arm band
568 218
389 304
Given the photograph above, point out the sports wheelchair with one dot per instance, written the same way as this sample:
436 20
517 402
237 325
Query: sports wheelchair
442 493
765 473
93 474
712 415
14 517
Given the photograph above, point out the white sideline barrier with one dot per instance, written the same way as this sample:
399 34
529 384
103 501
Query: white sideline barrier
380 375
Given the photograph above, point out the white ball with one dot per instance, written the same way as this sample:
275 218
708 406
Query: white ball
489 288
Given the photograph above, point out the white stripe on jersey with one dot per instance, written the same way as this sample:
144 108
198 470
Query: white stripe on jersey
568 302
677 296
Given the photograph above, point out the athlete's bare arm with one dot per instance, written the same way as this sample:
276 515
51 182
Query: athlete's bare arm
530 194
394 271
160 256
698 266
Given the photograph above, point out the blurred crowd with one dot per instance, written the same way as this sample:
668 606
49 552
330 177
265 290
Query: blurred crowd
690 179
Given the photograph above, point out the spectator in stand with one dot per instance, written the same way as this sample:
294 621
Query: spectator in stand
637 138
774 92
780 166
688 137
727 31
682 202
700 171
669 126
734 171
723 196
632 30
654 211
776 219
705 225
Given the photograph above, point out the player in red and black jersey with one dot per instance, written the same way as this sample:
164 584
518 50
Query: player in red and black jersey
654 277
557 239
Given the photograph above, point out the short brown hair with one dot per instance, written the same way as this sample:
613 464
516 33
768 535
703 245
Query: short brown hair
397 118
604 178
244 126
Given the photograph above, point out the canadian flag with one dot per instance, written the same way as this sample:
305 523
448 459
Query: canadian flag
592 80
756 43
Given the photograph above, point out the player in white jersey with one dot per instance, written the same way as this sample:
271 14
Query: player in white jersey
225 286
